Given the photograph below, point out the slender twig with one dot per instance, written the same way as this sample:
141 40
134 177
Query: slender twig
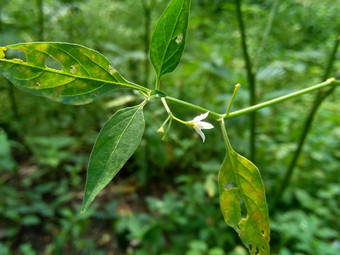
237 86
0 20
193 107
41 20
319 98
224 130
329 82
251 80
147 28
267 30
283 98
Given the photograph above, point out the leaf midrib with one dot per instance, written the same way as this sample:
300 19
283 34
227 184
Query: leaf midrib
128 84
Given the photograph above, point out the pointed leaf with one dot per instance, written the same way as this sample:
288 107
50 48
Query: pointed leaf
168 40
240 181
67 73
116 142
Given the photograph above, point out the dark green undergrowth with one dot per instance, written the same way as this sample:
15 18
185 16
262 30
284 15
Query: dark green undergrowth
165 199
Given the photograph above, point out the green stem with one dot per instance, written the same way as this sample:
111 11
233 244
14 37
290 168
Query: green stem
266 33
147 25
253 108
170 113
332 57
319 98
0 20
193 107
237 86
251 80
166 106
224 130
41 20
225 136
329 82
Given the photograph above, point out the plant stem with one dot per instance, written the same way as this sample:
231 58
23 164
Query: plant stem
251 80
157 82
41 20
253 108
266 33
170 113
237 86
166 106
319 98
332 57
0 20
193 107
283 98
147 22
225 136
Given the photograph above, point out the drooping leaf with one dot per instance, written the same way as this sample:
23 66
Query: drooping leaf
240 182
168 40
67 73
116 142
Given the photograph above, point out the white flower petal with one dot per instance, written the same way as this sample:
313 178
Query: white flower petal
200 117
199 131
206 125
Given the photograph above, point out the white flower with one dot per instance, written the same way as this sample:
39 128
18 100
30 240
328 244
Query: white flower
198 125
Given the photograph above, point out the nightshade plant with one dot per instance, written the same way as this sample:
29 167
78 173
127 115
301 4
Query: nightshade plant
73 74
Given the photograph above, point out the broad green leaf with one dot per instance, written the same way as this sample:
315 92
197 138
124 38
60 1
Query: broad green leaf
67 73
168 40
116 142
239 182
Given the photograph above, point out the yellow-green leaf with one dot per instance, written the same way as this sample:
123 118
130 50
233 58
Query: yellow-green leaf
64 72
239 182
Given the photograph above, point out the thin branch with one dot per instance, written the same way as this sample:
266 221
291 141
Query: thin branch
258 56
147 28
251 79
41 20
329 82
319 98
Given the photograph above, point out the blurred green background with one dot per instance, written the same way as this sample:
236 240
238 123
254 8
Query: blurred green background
165 200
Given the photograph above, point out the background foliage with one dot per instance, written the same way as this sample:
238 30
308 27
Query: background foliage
165 200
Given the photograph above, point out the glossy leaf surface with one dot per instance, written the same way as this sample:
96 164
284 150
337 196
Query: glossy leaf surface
67 73
116 142
168 40
240 183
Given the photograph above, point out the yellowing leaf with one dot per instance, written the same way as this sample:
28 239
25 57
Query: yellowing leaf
64 72
240 182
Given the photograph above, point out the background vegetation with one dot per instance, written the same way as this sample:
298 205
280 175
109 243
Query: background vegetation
165 200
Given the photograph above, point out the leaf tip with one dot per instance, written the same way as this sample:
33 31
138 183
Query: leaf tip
84 207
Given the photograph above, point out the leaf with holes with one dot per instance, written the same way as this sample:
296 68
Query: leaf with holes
168 40
116 142
67 73
239 182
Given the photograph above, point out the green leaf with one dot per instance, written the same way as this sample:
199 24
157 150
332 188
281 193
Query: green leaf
116 142
168 40
67 73
239 182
